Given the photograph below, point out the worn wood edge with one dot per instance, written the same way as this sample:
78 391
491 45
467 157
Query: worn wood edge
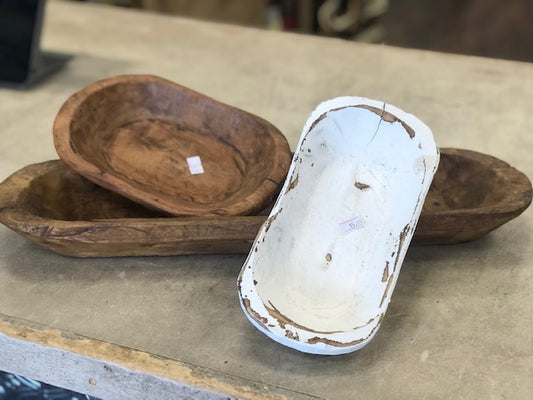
112 363
171 236
111 239
123 236
516 179
272 293
10 188
136 237
61 128
431 230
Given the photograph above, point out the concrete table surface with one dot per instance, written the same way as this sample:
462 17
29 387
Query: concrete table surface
460 321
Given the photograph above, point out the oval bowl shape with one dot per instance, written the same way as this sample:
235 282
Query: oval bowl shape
323 267
471 194
58 209
170 148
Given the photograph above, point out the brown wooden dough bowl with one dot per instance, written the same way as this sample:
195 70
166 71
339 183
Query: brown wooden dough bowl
471 195
136 134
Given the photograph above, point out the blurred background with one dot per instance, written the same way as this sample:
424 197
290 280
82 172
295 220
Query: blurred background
490 28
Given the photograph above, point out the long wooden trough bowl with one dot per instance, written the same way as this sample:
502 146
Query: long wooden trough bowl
170 148
471 195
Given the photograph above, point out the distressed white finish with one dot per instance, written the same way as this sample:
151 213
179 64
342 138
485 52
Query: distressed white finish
322 270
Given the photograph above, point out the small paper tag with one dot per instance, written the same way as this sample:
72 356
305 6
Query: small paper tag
195 165
351 225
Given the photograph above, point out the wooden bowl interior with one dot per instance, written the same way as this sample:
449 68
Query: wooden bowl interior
459 183
61 194
462 183
143 132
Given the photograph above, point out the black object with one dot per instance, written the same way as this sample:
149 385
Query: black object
16 387
22 63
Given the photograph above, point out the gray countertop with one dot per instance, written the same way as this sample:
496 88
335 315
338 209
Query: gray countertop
460 321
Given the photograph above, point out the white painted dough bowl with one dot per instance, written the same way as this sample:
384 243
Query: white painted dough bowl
323 267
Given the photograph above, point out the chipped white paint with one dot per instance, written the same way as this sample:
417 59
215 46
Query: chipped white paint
317 288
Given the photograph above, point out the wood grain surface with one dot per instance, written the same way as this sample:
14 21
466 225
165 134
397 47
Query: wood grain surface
133 134
459 318
471 194
53 206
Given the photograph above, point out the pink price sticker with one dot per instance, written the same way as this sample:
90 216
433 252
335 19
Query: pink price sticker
351 225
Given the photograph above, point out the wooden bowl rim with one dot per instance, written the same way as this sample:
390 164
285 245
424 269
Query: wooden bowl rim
49 232
250 203
515 180
18 181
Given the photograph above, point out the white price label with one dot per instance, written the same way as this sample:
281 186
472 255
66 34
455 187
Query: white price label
195 165
351 225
